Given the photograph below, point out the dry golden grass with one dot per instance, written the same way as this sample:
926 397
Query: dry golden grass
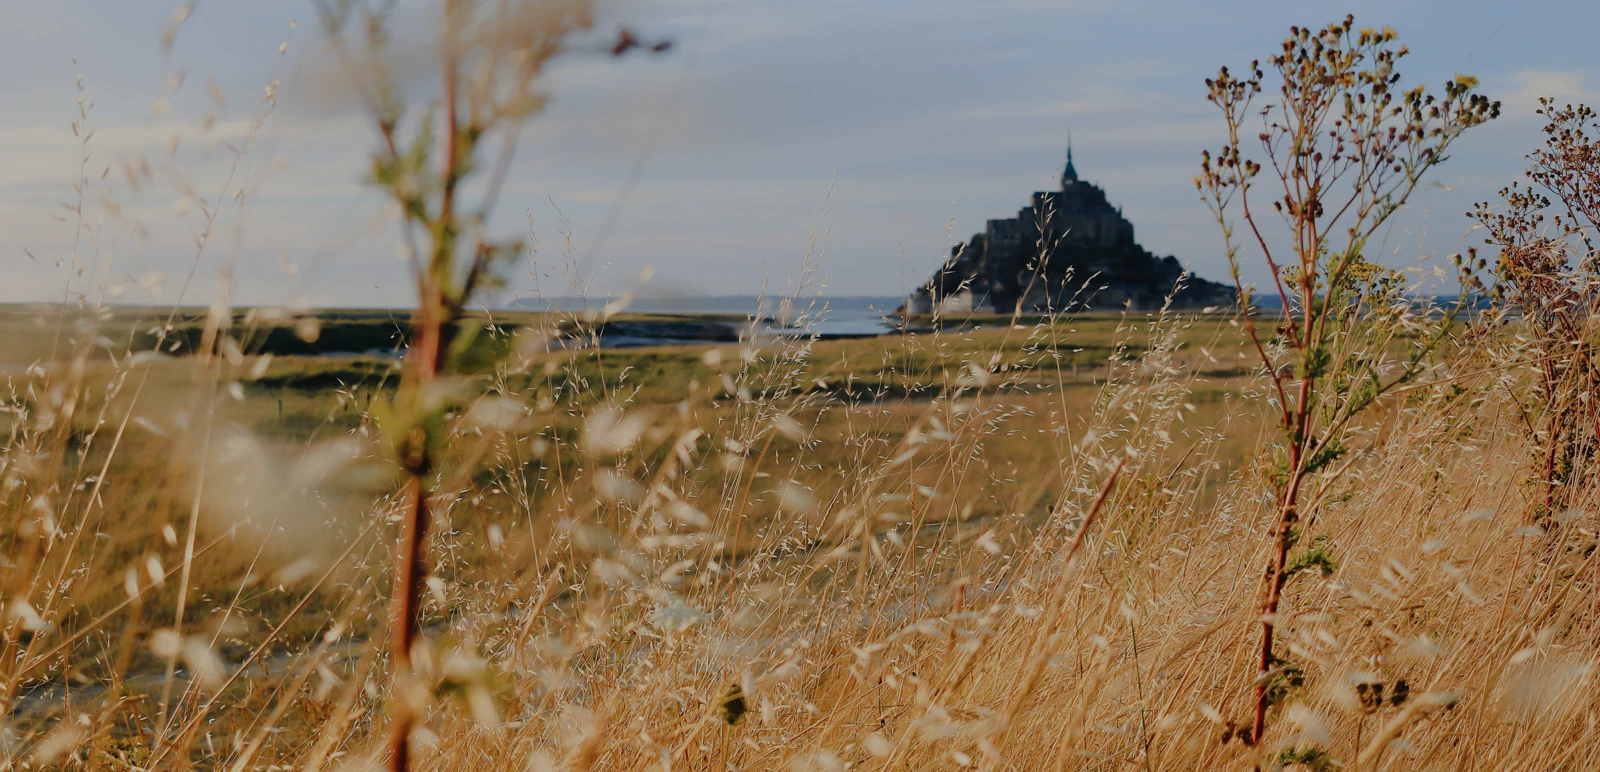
1027 546
872 581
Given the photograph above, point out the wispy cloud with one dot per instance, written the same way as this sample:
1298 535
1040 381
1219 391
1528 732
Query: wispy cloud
1522 90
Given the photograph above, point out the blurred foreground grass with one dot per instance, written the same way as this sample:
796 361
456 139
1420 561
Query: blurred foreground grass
850 540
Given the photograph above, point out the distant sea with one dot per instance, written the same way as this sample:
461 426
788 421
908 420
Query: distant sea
828 317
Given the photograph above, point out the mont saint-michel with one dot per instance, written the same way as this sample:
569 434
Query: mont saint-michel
1067 249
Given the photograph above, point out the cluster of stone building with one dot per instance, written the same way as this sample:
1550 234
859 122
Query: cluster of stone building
1066 250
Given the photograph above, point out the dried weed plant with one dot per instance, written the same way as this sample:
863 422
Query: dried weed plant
1545 293
1346 147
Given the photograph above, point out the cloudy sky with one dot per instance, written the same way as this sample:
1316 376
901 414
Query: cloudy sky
869 135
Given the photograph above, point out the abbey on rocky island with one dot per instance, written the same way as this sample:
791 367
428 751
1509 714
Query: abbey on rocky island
1067 250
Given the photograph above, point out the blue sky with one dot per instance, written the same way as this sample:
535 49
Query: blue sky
881 132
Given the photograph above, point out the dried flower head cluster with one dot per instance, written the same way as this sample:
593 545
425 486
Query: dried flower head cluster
1545 285
1347 148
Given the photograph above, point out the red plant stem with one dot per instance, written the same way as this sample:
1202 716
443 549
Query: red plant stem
1288 515
436 310
410 572
411 568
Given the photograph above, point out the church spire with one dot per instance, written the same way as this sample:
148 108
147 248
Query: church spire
1069 175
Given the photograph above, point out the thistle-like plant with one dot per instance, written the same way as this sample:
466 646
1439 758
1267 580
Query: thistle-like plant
1546 284
1344 147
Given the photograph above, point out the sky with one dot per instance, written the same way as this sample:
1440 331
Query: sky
835 145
